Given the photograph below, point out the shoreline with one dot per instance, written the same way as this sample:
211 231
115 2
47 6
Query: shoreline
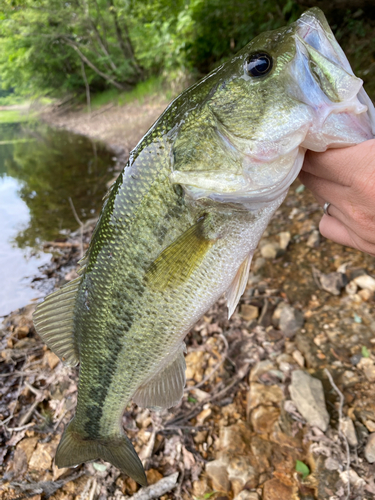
120 127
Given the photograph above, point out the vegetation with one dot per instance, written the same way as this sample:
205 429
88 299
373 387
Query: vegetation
58 47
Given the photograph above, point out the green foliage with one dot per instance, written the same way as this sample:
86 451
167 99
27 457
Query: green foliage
59 47
302 469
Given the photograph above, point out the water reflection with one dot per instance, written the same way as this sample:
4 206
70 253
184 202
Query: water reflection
40 169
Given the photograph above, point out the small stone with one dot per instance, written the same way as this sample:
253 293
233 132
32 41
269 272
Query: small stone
370 424
365 281
274 489
350 476
332 464
42 457
267 395
22 331
270 251
217 472
203 415
313 240
333 282
51 359
241 473
297 356
71 275
307 394
368 367
284 239
260 368
247 495
291 320
355 359
200 437
153 476
28 446
263 418
351 288
258 264
347 428
249 312
366 294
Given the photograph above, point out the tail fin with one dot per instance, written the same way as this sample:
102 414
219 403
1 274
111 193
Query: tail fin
74 449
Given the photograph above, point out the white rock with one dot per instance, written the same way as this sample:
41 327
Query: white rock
365 281
352 477
247 495
284 239
307 394
347 428
370 449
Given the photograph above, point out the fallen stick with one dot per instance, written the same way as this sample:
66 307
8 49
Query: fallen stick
156 490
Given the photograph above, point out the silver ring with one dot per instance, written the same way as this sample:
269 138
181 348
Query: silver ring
326 207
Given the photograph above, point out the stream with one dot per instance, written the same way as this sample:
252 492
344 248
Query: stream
40 170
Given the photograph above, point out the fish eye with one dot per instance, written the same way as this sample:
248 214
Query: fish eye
258 64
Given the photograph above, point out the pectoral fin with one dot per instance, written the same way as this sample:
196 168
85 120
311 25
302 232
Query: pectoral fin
177 262
238 285
166 388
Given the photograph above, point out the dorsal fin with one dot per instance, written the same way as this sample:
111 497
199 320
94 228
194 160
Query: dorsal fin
54 322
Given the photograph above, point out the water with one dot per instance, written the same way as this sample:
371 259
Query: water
40 169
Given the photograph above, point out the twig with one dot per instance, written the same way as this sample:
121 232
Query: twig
217 366
341 434
79 222
156 490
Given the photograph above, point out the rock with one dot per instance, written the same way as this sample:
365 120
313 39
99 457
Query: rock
241 473
274 489
51 359
258 264
200 488
370 449
333 282
263 418
28 446
366 294
249 312
350 476
351 288
308 396
297 356
217 472
259 369
268 395
42 457
247 495
365 281
284 239
291 320
313 240
270 251
332 464
203 415
368 367
347 428
22 331
194 366
153 476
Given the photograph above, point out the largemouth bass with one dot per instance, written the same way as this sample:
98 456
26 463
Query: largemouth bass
180 225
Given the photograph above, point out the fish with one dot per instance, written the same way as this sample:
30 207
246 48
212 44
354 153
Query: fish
179 227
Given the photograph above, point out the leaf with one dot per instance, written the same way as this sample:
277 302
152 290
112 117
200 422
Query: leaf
302 469
365 352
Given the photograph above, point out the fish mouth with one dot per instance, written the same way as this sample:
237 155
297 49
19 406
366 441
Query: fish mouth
324 80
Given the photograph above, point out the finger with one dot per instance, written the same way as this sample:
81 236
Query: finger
340 165
324 190
333 229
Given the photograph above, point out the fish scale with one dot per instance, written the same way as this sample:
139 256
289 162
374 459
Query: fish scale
180 226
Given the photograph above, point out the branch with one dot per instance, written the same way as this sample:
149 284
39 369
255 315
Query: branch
91 65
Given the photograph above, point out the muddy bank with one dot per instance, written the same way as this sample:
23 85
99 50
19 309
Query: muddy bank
120 127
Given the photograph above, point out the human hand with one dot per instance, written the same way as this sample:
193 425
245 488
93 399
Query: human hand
345 177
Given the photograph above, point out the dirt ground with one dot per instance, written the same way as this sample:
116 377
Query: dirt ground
280 399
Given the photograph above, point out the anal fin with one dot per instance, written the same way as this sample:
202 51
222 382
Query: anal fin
54 322
166 388
238 285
